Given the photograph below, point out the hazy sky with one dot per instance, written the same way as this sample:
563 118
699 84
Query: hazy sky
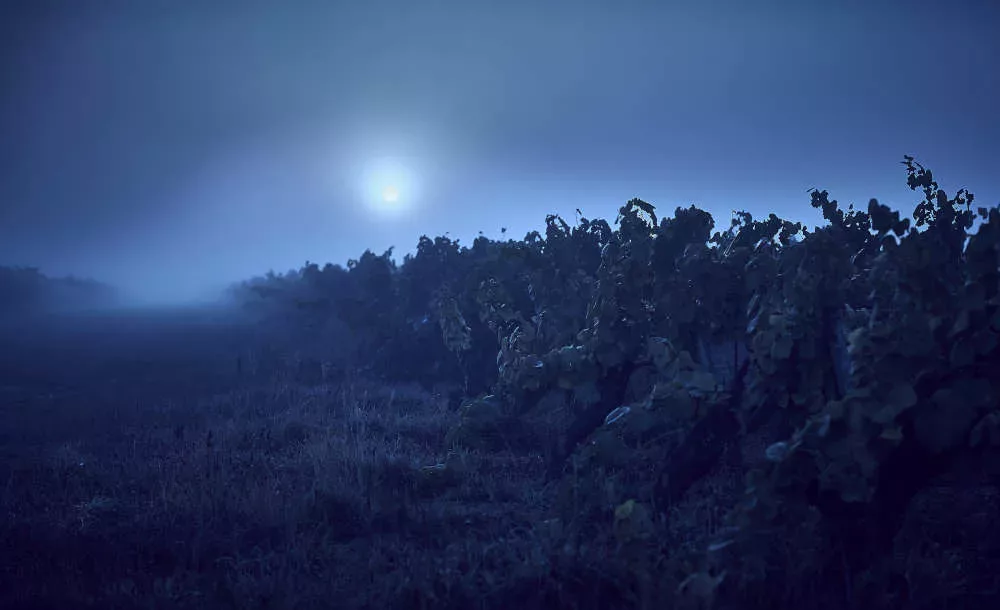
170 147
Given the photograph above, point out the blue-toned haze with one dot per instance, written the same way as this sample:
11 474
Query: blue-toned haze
171 148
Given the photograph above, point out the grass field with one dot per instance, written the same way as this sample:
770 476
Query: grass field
139 471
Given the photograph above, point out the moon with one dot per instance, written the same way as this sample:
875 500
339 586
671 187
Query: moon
389 187
390 194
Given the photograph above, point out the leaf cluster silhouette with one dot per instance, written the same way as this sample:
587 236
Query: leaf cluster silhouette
842 372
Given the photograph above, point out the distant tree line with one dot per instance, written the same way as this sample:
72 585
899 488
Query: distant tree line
26 290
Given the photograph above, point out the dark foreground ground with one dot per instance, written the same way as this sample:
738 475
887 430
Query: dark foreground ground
138 469
144 463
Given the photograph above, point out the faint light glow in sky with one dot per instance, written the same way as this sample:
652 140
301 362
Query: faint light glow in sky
390 194
390 187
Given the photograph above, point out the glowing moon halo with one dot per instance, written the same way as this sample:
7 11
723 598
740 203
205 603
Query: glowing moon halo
390 194
388 186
